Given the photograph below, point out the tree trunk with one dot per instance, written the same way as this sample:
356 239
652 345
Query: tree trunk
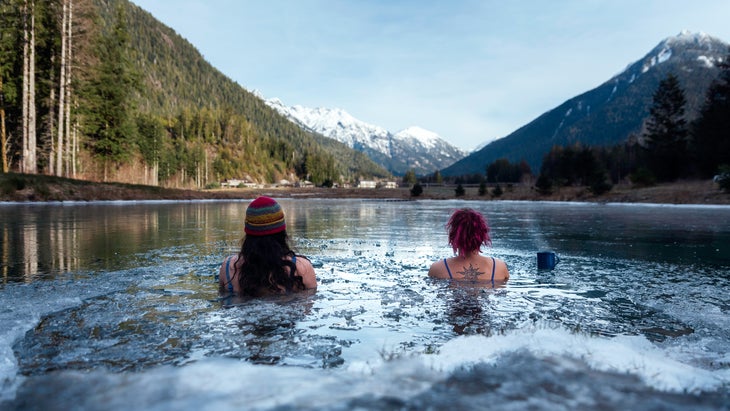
70 157
3 136
74 149
28 163
51 114
32 139
24 119
62 94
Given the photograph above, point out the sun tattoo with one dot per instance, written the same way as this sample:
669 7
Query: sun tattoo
471 273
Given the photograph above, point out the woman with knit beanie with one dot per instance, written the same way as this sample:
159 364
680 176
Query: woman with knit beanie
468 232
266 264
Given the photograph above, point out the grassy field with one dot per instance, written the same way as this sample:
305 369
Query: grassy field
24 187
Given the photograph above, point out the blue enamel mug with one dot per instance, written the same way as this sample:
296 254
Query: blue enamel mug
547 260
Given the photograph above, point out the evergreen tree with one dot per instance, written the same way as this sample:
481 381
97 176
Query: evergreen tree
150 140
459 191
501 170
572 165
482 188
711 131
410 177
666 131
320 167
642 177
544 185
108 114
524 169
723 177
598 183
9 20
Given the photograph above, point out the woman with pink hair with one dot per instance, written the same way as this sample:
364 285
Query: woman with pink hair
468 232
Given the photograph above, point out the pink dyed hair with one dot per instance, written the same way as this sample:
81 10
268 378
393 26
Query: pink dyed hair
468 231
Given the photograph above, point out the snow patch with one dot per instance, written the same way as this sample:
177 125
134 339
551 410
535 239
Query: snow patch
708 62
664 55
426 138
686 36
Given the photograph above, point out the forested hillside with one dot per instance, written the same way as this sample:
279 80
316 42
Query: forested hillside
100 90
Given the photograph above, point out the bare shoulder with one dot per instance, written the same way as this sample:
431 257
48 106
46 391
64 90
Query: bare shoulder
306 271
229 263
437 270
502 269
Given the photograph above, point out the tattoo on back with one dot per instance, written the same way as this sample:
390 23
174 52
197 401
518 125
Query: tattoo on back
472 273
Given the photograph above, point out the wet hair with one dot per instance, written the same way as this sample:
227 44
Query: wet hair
264 265
468 231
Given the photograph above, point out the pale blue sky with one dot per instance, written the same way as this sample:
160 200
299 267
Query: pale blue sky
470 70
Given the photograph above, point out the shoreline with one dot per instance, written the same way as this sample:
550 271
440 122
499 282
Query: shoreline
23 188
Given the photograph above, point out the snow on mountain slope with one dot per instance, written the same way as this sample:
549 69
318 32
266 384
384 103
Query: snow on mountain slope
427 139
337 124
413 148
615 110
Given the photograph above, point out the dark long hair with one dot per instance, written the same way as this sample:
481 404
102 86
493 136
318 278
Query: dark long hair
264 265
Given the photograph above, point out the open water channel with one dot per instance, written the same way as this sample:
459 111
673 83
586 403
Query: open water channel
115 306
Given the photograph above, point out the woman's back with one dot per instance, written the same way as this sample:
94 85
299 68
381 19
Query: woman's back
474 267
230 273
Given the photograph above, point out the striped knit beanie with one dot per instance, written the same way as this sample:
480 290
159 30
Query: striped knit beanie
264 217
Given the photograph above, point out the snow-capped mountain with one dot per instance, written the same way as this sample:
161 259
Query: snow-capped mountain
613 111
413 148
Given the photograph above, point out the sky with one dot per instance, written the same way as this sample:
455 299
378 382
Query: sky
471 71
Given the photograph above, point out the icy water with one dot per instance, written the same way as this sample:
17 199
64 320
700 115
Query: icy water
115 306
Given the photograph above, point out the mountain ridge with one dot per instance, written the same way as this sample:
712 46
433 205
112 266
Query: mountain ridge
412 148
613 111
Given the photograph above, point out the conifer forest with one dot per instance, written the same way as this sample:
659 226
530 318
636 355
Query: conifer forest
100 90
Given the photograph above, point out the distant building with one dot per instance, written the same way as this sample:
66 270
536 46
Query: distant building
236 183
390 184
367 184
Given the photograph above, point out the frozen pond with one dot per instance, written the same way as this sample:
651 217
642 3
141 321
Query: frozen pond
115 306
